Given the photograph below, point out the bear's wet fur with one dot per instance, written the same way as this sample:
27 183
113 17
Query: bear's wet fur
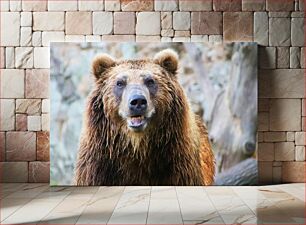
173 149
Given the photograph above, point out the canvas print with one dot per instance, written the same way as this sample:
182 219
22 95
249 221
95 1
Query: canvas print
153 114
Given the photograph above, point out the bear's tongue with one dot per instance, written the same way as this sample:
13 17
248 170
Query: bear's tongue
137 120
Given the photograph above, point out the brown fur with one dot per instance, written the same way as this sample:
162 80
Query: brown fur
173 150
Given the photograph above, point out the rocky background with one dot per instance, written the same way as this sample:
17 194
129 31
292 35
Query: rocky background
28 26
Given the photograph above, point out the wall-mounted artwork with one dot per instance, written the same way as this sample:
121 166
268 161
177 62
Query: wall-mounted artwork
153 114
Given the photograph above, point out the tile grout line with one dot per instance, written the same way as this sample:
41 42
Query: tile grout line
178 201
86 205
116 204
30 200
2 219
213 204
254 212
54 207
149 205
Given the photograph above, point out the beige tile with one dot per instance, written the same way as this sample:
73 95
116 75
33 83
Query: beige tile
12 83
55 5
253 5
164 206
142 26
143 38
265 174
28 106
300 138
124 22
45 122
100 208
203 5
9 188
261 28
93 38
5 5
9 57
209 219
200 24
21 122
284 151
132 207
95 205
52 36
9 206
10 28
113 5
74 38
273 5
211 191
43 146
54 193
221 5
294 208
24 57
195 204
48 21
7 114
231 208
41 57
166 20
2 146
181 21
279 31
281 83
78 23
91 5
271 214
238 26
25 36
297 192
293 172
105 18
265 151
36 85
170 5
139 5
68 211
26 214
14 171
33 5
248 193
285 115
26 19
29 191
118 38
39 172
21 146
34 123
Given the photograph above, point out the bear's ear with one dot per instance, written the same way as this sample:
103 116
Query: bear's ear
101 63
168 59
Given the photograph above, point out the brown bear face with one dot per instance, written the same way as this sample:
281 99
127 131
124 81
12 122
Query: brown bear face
135 91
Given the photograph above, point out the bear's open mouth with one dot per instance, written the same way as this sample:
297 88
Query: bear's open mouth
136 122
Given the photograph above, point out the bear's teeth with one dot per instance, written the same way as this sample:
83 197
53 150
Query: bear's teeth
137 120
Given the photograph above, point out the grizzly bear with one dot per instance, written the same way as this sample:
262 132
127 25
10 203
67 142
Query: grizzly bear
139 128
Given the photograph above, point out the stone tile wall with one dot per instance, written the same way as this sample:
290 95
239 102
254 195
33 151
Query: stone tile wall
28 26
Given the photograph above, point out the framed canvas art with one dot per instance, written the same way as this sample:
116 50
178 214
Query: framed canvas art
153 114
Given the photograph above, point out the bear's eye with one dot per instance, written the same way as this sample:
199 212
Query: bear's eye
120 83
149 82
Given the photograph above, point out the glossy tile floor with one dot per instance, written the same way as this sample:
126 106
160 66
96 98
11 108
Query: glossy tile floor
41 204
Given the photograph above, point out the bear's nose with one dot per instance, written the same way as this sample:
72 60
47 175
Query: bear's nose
138 104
